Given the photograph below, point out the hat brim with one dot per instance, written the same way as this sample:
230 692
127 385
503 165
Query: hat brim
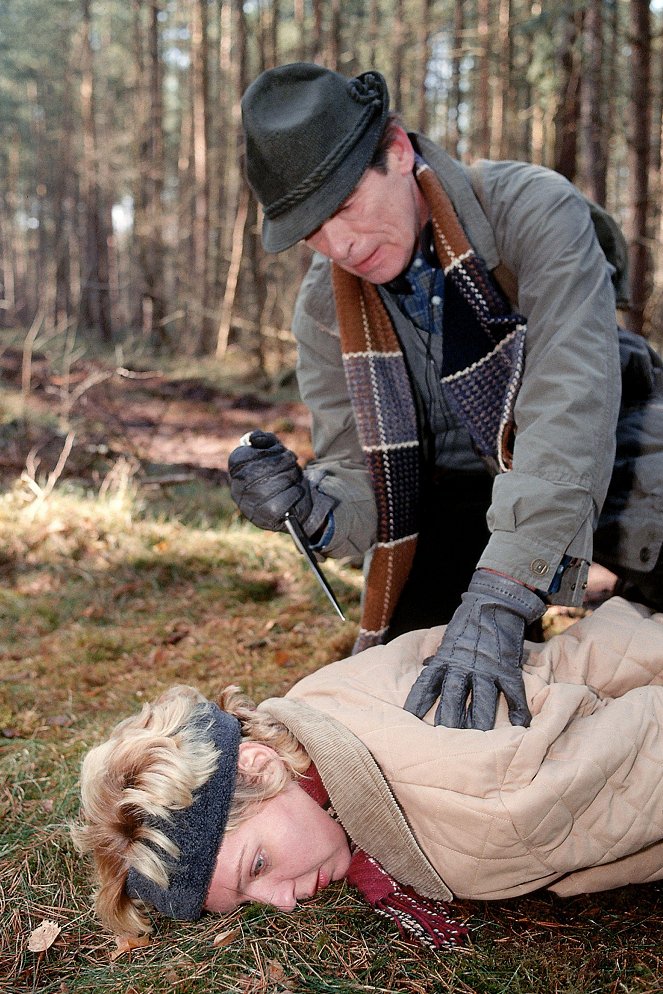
284 231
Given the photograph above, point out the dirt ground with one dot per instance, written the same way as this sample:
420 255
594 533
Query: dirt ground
167 425
170 428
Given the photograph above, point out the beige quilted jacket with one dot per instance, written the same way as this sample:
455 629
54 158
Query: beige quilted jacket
574 803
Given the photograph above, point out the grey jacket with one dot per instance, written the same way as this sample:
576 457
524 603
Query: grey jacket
537 225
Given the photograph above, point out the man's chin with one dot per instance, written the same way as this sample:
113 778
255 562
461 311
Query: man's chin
378 274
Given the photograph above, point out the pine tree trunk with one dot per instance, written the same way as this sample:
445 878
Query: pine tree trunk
503 89
202 323
568 107
236 207
481 142
639 153
64 195
453 115
593 103
95 307
398 55
149 195
423 56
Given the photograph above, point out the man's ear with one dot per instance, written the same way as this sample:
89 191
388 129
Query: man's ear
401 151
254 756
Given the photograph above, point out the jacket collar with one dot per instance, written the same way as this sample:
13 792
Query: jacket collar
455 178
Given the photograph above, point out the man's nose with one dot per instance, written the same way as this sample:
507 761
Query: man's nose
333 239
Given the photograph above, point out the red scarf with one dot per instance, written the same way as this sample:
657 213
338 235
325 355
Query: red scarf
427 921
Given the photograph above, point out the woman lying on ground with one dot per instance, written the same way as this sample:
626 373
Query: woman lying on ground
192 807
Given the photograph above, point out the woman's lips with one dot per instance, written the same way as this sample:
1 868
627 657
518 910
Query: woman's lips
322 881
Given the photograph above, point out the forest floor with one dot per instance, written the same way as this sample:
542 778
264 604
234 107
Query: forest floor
125 568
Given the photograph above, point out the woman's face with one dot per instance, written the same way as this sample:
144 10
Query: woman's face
285 853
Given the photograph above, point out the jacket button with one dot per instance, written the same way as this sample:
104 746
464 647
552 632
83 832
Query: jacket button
540 567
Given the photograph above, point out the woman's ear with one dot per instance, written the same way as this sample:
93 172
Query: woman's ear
254 757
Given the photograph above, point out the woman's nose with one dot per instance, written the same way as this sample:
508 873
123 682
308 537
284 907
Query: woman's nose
281 895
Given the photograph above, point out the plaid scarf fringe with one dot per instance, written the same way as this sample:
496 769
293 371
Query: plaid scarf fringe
428 922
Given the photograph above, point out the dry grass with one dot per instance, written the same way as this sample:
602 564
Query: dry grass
107 600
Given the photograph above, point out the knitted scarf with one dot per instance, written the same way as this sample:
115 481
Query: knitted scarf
418 917
481 372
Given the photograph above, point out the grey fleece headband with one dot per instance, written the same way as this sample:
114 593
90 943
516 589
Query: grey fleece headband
197 830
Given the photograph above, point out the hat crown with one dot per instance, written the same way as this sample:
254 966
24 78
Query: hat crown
310 134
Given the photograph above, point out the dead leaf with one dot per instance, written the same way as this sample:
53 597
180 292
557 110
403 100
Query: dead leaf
47 805
126 588
276 971
43 937
59 720
94 611
282 658
225 938
157 657
125 943
178 631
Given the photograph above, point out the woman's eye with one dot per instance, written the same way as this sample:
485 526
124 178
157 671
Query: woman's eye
259 865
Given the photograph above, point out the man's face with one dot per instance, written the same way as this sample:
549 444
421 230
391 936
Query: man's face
374 232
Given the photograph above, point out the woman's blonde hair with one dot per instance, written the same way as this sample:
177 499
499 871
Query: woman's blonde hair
151 765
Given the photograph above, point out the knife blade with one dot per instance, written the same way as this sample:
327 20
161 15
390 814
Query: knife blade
298 536
302 544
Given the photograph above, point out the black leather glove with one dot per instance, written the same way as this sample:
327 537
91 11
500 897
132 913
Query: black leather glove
266 482
480 654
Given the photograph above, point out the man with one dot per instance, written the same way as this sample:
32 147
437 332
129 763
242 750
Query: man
443 411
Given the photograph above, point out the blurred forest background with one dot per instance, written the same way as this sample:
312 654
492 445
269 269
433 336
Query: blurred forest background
123 209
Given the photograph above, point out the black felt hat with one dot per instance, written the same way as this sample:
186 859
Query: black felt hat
310 135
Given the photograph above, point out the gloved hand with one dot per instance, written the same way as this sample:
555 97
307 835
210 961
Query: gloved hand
480 653
266 482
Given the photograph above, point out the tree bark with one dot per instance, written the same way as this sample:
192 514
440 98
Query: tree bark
151 168
593 103
423 56
503 88
639 154
95 305
398 54
202 322
568 107
237 199
453 115
481 138
64 218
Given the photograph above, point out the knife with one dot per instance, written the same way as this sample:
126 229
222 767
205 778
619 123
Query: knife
303 545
